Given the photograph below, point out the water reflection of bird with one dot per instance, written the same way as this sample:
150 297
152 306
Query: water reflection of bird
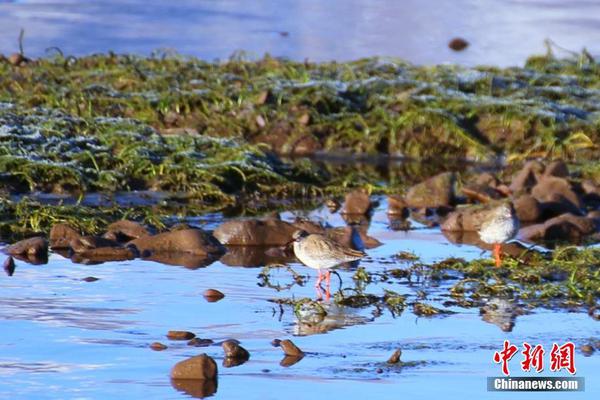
322 253
500 226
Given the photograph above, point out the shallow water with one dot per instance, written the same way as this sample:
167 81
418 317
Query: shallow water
501 32
66 338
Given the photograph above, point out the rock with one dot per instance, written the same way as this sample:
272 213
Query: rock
395 358
481 193
125 231
552 188
213 295
9 266
198 367
276 342
195 388
90 279
254 232
587 350
591 192
290 349
308 226
351 236
528 208
187 260
356 202
84 243
104 254
557 168
467 218
487 179
288 361
397 206
35 246
61 235
157 346
556 205
180 335
234 350
436 191
458 44
566 227
197 342
193 241
527 177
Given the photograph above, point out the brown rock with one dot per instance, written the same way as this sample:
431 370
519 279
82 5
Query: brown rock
195 388
198 367
213 295
157 346
397 206
487 179
566 227
254 232
35 246
356 202
436 191
61 235
197 342
481 193
527 177
234 350
395 358
557 168
587 349
125 230
353 237
551 188
180 335
9 266
84 243
458 44
467 218
105 254
193 241
528 208
290 349
308 226
288 361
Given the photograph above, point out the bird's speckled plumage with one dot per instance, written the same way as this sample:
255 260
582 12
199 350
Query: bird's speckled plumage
500 226
320 252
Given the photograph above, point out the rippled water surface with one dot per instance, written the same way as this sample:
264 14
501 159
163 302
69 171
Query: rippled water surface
501 32
66 338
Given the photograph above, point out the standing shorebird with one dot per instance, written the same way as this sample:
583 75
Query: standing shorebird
321 253
500 226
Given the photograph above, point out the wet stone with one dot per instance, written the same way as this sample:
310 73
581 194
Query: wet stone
9 266
356 202
397 206
528 209
180 335
527 177
255 232
198 367
587 350
197 342
458 44
233 350
276 342
193 241
213 295
125 230
551 188
290 349
83 243
434 192
557 168
157 346
61 235
395 357
35 246
90 279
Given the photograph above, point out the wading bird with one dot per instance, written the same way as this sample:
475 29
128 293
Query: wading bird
500 226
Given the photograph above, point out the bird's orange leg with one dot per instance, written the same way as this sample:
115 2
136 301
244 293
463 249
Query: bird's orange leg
328 278
319 279
497 254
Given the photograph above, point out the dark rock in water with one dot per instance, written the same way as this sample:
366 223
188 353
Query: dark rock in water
61 236
527 177
198 367
591 193
556 204
180 335
233 350
434 192
124 231
276 342
551 188
528 208
213 295
90 279
197 342
35 246
193 241
290 349
195 388
254 232
84 243
288 361
557 168
566 227
467 218
587 350
157 346
458 44
9 266
397 206
395 357
356 202
105 254
187 260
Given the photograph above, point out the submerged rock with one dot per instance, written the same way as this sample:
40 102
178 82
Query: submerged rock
290 349
180 335
61 236
467 218
124 231
255 232
9 266
232 349
85 243
198 367
35 246
528 209
395 357
157 346
437 191
565 227
356 202
193 241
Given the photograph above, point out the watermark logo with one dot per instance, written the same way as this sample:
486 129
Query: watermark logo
561 358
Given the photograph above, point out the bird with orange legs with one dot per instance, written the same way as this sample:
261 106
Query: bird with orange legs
319 252
500 226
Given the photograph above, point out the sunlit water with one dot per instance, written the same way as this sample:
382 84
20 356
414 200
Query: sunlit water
501 32
66 338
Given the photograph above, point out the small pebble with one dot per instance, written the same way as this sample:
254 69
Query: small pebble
158 346
458 44
180 335
587 350
213 295
395 358
276 342
379 370
90 279
197 342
